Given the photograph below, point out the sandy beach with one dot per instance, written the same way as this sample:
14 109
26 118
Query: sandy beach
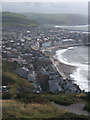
64 69
69 71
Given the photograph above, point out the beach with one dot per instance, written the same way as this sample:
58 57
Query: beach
66 69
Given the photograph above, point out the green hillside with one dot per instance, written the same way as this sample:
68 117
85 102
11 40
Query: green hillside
58 19
14 19
29 19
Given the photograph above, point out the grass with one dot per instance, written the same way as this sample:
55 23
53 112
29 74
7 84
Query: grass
87 105
13 19
34 110
72 116
12 80
9 66
15 79
19 110
58 19
15 82
64 99
32 105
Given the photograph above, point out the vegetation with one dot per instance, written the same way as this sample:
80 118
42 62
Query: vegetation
9 66
72 116
34 110
87 105
17 85
16 20
11 79
33 19
64 99
22 104
58 19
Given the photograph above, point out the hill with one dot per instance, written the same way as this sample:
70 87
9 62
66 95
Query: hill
58 19
33 19
11 79
14 19
18 103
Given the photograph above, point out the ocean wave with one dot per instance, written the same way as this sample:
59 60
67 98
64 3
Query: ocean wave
75 27
80 76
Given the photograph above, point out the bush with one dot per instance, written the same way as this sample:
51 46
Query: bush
72 116
60 98
87 106
6 95
63 102
88 95
84 97
31 98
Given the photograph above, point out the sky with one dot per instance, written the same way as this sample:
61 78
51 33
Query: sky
46 7
44 0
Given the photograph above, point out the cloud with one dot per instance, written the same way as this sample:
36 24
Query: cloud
44 0
46 7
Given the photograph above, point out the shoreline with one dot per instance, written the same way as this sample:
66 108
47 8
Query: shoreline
65 70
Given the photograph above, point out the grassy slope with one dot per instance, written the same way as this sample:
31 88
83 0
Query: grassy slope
14 19
11 79
15 109
24 105
31 105
29 19
34 110
58 19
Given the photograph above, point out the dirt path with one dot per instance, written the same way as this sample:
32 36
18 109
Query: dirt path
74 108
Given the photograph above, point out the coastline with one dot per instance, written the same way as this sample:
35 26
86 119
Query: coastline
65 70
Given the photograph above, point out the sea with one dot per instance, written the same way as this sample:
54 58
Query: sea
84 28
79 57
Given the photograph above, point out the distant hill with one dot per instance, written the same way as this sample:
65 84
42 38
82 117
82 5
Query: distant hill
34 19
14 19
58 19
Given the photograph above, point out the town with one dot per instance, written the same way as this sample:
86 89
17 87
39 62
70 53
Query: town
26 47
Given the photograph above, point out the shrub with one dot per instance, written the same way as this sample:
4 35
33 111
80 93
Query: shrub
72 116
63 102
87 106
31 97
6 95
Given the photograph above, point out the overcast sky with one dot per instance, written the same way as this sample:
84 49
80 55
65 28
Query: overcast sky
45 0
46 7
